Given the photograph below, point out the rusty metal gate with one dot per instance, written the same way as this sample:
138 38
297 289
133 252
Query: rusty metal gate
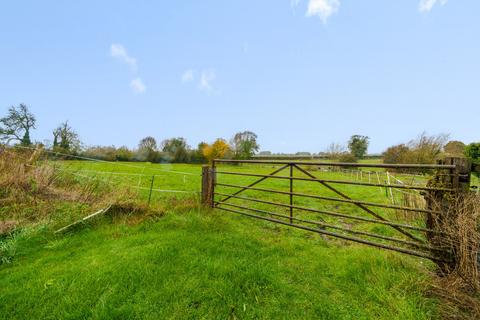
328 198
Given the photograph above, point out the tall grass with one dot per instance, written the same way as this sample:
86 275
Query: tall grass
459 285
35 193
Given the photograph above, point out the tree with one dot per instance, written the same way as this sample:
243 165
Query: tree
196 155
65 139
334 150
217 150
123 154
303 153
147 149
245 144
358 145
426 149
472 152
396 154
455 148
177 149
16 126
422 150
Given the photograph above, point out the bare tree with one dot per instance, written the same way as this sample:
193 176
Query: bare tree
335 150
17 124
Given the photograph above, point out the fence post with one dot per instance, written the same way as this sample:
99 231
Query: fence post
208 185
291 193
457 179
151 187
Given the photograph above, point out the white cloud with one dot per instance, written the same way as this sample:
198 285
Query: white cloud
206 79
427 5
118 51
138 86
322 8
187 76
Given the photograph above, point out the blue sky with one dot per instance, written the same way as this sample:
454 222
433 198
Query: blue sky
301 73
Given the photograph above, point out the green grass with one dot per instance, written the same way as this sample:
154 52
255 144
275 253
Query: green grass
186 177
191 264
199 265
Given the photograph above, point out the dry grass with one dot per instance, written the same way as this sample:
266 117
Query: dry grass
30 189
458 285
36 191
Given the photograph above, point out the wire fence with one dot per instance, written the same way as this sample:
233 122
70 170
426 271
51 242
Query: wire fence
152 182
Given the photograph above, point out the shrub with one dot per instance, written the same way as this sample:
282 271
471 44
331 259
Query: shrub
472 151
396 154
108 153
455 148
347 157
424 149
124 154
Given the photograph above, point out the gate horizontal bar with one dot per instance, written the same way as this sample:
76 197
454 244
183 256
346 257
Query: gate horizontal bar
372 204
336 181
345 164
322 224
331 213
341 236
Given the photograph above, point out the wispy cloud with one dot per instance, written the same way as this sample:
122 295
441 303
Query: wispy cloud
206 79
187 76
322 8
119 52
427 5
138 86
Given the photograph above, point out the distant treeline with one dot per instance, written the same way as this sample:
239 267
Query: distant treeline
16 127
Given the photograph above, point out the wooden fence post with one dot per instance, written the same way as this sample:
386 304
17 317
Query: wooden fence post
208 184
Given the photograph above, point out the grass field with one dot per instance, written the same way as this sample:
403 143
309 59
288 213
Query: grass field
207 265
184 181
191 263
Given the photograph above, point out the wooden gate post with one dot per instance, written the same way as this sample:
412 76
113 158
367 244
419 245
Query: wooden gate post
439 201
208 185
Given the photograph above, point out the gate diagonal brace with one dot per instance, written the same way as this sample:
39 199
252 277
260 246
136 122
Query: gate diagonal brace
408 234
255 183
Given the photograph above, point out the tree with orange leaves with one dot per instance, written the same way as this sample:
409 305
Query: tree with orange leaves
217 150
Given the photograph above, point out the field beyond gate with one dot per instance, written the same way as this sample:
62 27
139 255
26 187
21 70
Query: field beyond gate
380 205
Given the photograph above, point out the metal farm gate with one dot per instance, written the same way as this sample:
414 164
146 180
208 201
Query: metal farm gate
389 206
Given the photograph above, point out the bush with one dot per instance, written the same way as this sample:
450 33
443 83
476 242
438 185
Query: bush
424 149
124 154
472 152
396 154
108 153
347 158
455 148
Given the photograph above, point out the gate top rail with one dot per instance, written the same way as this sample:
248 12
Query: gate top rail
342 164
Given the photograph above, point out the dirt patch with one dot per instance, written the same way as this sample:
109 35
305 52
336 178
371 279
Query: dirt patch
7 226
